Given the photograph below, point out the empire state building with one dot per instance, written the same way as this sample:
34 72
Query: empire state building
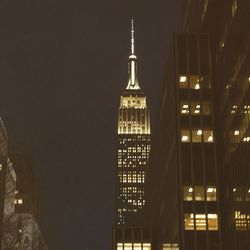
133 145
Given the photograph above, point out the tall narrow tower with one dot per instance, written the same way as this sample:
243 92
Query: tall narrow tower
133 145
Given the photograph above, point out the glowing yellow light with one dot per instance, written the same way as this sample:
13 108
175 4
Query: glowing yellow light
183 78
199 132
184 138
197 86
236 132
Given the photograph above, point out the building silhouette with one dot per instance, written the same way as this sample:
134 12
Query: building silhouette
19 207
133 145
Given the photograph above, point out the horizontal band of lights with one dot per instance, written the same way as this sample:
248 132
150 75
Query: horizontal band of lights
242 221
201 222
199 193
133 246
197 136
195 108
193 82
133 117
168 246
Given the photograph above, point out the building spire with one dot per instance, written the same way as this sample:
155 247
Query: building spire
132 37
132 63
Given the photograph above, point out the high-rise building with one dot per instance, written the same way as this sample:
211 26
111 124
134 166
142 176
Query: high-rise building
133 145
182 176
198 175
227 22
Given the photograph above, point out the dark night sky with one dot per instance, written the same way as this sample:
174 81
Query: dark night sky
63 66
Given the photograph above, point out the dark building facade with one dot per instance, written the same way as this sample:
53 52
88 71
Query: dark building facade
227 23
183 203
199 172
133 147
131 238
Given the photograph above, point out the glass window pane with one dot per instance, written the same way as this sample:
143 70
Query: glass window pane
184 108
185 136
194 82
189 222
188 193
208 136
212 220
211 193
195 108
206 108
199 193
200 221
197 135
183 81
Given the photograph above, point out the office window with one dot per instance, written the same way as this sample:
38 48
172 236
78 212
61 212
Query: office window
199 193
183 81
242 221
185 136
184 108
211 193
167 246
119 246
189 221
201 222
194 82
186 81
196 108
208 136
188 193
197 135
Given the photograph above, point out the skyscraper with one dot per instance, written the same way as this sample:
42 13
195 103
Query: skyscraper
133 145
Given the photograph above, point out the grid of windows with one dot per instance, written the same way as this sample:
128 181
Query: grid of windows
133 246
242 221
195 108
197 135
199 193
201 222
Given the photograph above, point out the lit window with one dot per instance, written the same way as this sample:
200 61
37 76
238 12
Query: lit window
197 86
167 246
137 246
208 136
236 132
194 82
184 108
146 246
188 193
200 222
211 193
20 201
242 221
196 135
183 78
199 193
183 83
185 136
212 221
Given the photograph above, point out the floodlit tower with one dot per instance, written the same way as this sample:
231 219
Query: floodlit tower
133 145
